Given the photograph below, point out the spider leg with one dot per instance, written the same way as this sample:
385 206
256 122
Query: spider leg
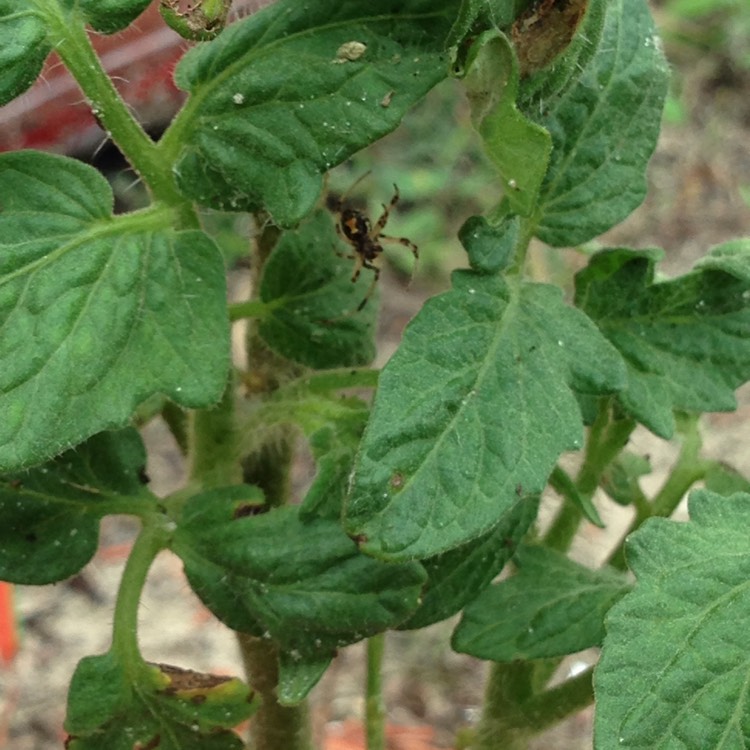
344 255
400 241
360 261
406 243
375 276
383 220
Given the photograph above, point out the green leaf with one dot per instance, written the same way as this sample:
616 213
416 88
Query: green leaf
109 16
334 448
312 304
518 147
159 706
481 14
620 479
299 674
473 409
564 485
23 47
675 665
277 100
686 342
49 515
201 21
457 577
604 130
304 584
490 248
551 607
726 480
731 257
97 313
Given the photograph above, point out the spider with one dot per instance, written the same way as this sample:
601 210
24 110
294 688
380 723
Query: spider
365 238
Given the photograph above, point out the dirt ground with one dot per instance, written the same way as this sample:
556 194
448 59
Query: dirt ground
697 178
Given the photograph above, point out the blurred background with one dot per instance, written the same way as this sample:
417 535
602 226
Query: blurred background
699 196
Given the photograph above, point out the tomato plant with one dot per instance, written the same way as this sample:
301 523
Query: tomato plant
429 472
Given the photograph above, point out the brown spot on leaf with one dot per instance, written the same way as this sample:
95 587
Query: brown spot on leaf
181 679
244 510
544 31
154 742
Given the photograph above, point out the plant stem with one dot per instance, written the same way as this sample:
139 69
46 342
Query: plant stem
548 708
274 726
502 724
514 712
687 470
374 710
74 47
151 540
527 229
253 308
268 466
606 438
213 451
177 421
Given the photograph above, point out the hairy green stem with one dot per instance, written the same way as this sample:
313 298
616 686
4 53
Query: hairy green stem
502 723
548 708
178 422
253 308
527 230
268 466
374 709
273 726
606 438
151 540
687 470
213 451
68 33
514 711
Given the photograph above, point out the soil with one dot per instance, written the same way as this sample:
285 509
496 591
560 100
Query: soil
696 179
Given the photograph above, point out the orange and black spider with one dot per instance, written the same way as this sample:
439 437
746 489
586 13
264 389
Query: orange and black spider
356 229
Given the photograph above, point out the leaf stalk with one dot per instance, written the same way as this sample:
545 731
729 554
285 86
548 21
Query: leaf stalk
374 709
151 540
74 47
